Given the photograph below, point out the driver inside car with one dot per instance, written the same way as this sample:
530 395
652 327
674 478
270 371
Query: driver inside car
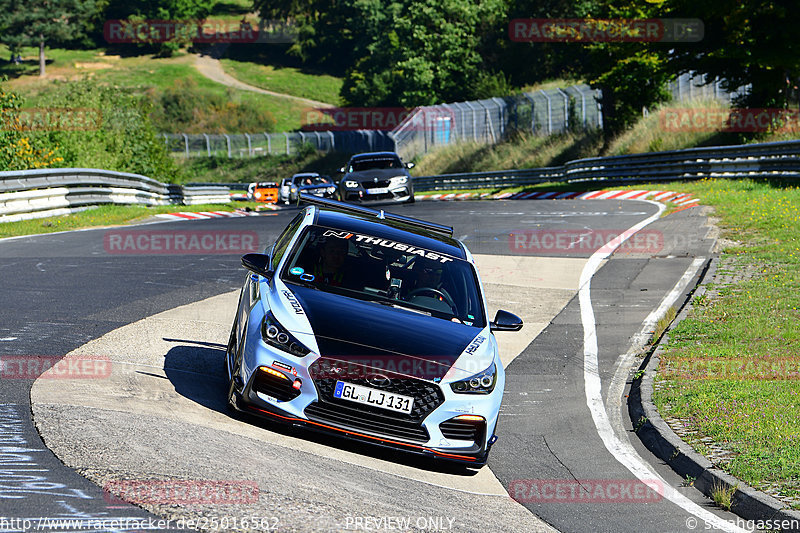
427 281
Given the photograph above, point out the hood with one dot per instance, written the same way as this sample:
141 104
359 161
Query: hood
375 335
380 173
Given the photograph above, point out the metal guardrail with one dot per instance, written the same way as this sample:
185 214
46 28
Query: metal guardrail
757 161
30 194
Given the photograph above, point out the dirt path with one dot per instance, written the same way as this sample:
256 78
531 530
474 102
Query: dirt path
211 68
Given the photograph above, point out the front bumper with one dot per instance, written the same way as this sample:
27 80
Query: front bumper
436 428
361 195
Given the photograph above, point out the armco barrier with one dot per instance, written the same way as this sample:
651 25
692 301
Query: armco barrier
30 194
777 160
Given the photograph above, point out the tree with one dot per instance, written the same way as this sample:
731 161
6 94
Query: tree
38 22
746 42
424 53
631 75
172 10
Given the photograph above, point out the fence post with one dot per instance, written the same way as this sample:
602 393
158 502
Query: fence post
333 141
474 124
566 109
287 142
529 97
228 143
186 144
549 113
208 145
249 145
269 143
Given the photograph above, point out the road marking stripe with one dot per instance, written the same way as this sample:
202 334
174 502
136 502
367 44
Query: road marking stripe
623 452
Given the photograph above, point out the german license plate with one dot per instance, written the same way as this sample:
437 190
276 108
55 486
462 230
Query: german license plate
380 190
370 396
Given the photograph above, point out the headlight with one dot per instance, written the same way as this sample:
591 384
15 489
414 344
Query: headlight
331 189
480 383
276 335
351 184
399 180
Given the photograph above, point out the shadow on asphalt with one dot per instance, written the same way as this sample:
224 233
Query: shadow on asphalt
198 374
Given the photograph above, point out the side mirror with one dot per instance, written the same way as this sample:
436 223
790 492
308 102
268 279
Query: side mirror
341 170
258 264
410 165
505 321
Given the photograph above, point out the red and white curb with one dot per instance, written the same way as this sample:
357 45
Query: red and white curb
679 199
200 215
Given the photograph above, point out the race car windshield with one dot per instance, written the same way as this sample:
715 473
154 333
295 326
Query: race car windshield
387 272
370 164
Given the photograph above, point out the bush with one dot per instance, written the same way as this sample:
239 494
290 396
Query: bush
184 108
16 150
122 138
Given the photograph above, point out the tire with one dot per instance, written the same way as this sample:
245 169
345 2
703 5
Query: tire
410 199
231 365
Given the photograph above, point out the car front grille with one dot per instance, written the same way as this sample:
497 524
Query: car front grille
369 184
369 418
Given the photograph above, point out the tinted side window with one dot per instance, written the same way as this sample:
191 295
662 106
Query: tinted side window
283 241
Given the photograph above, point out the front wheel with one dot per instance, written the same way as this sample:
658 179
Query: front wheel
410 199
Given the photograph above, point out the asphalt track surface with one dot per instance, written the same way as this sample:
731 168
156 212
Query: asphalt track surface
61 291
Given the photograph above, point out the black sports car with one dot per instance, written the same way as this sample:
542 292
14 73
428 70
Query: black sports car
376 177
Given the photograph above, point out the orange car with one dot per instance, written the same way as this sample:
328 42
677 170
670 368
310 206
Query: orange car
264 191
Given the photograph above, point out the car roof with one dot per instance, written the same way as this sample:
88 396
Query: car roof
375 155
305 175
389 229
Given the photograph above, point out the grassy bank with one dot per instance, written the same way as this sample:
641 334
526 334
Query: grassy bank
106 215
262 168
153 77
728 381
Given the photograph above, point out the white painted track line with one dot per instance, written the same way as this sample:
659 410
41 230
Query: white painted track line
622 450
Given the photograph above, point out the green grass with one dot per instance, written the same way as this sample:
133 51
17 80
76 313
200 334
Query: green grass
519 151
144 74
753 415
288 80
106 215
262 168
